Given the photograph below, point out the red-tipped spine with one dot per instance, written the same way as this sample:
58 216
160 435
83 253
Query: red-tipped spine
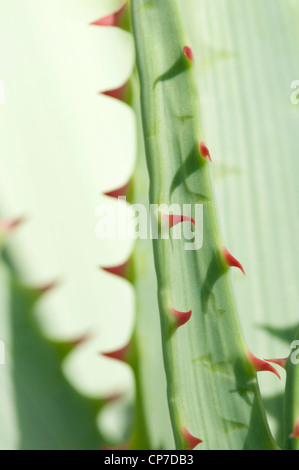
119 354
280 362
117 93
111 20
204 151
119 192
173 219
191 441
8 225
188 53
80 340
113 398
231 261
121 270
180 317
260 365
295 434
48 287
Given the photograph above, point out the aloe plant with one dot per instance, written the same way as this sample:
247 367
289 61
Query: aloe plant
210 363
210 349
177 161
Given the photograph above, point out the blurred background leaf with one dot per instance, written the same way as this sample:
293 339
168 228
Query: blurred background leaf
58 155
39 408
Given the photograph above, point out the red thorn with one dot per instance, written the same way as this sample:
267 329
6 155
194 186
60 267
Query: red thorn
119 354
280 362
261 365
188 53
191 440
173 219
204 151
116 193
48 287
114 397
120 270
296 431
111 20
8 225
181 317
117 93
231 261
80 340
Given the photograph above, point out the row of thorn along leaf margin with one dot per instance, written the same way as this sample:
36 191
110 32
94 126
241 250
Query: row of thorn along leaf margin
213 395
33 363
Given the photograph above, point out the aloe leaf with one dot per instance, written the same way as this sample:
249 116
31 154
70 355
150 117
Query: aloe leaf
250 125
207 355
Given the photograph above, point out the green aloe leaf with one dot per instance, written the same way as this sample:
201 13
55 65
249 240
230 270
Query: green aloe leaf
246 57
212 388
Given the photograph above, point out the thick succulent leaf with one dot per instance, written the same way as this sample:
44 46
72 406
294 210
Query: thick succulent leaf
246 57
212 388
